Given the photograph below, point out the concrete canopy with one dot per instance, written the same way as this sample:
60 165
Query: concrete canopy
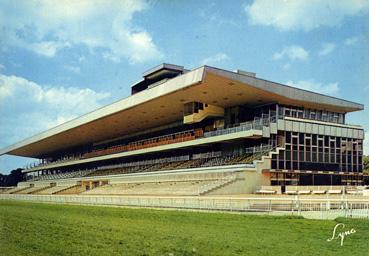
163 104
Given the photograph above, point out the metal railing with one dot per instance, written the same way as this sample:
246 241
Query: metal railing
148 162
256 124
308 208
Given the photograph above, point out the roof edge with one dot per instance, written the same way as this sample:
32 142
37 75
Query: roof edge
112 108
353 105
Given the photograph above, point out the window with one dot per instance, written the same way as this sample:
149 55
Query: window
320 159
324 116
295 157
302 156
294 141
293 113
280 111
314 140
314 157
307 113
287 112
300 114
335 118
308 142
301 138
295 166
318 114
341 118
288 165
281 156
288 137
308 157
326 141
288 155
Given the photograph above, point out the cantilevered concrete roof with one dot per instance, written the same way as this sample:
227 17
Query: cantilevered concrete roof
163 104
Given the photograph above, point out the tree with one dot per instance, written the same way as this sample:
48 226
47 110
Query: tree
366 163
2 180
12 178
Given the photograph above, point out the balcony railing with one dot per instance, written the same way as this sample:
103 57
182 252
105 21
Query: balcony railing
245 126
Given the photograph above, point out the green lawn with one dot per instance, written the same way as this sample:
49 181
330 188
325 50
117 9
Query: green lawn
46 229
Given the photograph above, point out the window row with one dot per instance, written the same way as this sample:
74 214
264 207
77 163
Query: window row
319 115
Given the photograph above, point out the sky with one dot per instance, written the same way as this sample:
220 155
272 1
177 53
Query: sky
61 59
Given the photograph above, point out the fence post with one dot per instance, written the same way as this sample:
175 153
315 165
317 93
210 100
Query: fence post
298 203
270 205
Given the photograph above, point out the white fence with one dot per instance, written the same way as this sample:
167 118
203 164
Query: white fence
309 208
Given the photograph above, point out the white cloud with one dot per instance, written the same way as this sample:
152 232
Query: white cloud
310 85
45 27
40 107
292 52
303 14
366 144
351 40
287 66
2 66
73 69
326 49
215 59
47 48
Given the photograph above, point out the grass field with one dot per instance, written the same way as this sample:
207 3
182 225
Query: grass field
46 229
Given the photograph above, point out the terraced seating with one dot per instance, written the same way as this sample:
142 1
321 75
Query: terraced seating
192 163
249 159
15 190
4 190
72 190
174 165
155 167
111 189
66 175
115 171
184 188
53 190
207 159
184 164
31 190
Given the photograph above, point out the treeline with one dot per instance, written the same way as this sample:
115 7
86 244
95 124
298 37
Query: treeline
366 164
11 179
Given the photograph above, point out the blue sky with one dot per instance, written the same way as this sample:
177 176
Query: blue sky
61 59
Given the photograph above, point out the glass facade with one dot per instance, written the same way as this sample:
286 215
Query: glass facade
305 151
311 114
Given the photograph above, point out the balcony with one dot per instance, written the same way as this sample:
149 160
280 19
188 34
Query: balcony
166 142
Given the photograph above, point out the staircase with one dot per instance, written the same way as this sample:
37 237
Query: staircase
208 110
209 189
261 164
76 189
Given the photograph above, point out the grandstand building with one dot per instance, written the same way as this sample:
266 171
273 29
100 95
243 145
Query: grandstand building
197 132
